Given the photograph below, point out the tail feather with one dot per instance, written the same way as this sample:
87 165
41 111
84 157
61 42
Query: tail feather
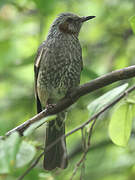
57 155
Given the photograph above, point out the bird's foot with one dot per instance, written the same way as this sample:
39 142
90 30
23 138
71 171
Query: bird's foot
50 106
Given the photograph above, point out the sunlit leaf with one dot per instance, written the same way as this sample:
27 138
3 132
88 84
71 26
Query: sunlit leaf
25 155
8 150
105 99
121 123
132 22
4 166
12 145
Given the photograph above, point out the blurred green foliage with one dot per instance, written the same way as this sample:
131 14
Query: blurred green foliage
108 44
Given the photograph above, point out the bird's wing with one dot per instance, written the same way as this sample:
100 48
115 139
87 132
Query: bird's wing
36 71
81 64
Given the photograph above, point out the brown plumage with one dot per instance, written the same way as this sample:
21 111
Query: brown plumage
57 69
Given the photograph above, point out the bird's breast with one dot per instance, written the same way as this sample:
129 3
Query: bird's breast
61 67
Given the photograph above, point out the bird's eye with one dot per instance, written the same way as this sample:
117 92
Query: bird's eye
69 20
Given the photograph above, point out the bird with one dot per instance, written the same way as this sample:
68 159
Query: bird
57 70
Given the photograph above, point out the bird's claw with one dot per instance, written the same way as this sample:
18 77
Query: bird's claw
50 106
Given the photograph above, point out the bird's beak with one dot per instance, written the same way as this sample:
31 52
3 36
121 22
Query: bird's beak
86 18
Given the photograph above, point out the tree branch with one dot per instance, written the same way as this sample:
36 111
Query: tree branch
82 90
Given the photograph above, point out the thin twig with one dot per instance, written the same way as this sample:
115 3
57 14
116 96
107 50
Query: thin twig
85 152
90 133
84 139
82 170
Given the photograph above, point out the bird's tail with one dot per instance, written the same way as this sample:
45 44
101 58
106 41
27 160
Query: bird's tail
57 155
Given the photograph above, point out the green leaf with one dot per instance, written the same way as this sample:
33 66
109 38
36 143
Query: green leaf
132 22
106 99
12 145
25 155
31 129
8 151
4 166
121 123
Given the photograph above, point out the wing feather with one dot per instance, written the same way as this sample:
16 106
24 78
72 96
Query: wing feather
36 71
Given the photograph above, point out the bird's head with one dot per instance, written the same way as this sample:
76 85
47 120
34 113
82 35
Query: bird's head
69 23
